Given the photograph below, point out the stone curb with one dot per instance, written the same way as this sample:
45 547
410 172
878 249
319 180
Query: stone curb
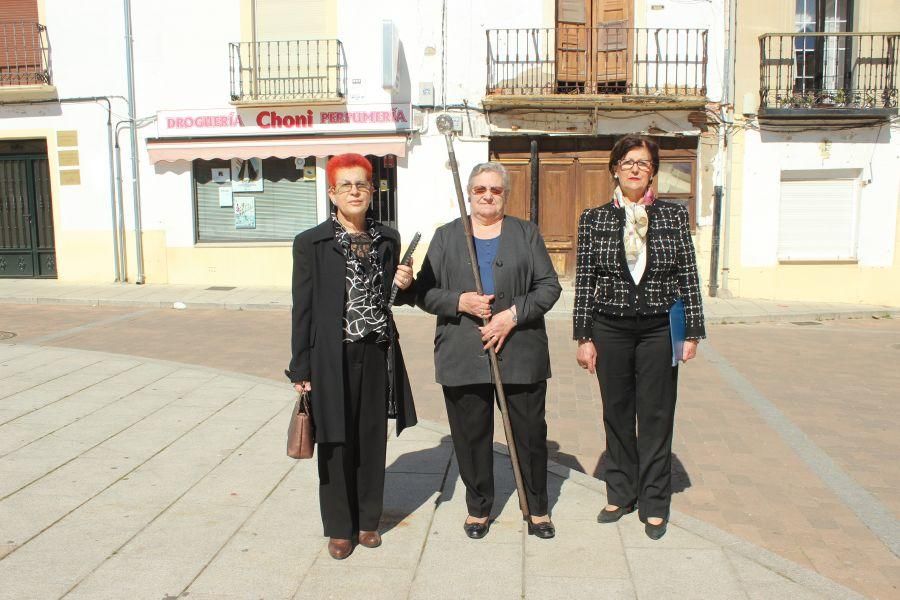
776 317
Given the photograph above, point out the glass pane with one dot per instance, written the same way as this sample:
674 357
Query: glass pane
674 178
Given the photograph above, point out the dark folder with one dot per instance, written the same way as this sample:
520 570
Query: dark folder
676 329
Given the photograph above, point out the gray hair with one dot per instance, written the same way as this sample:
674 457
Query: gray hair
490 167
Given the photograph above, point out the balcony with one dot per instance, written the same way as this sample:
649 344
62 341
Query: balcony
286 72
816 75
609 67
25 62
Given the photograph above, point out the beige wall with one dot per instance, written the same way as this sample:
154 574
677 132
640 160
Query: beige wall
288 19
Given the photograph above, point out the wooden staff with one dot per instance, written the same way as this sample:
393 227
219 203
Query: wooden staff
445 126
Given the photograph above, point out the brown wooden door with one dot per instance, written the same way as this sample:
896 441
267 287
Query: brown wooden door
557 205
593 45
518 202
567 186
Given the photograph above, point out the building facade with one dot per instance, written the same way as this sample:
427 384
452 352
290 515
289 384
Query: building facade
239 103
813 211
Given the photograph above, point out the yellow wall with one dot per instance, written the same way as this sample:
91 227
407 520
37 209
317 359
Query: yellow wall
812 282
249 266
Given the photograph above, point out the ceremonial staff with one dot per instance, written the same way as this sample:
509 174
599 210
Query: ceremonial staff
445 126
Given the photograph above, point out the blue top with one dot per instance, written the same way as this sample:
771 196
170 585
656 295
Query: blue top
486 251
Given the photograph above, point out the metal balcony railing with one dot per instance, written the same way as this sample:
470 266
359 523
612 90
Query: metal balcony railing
24 54
828 70
287 70
597 60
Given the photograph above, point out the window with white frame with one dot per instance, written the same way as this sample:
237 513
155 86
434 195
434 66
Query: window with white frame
818 215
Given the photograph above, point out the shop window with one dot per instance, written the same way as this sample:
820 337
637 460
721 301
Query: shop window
817 216
269 200
675 182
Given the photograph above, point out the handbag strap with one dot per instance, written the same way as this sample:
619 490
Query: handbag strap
303 404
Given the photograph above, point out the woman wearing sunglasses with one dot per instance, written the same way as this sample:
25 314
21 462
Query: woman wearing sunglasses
341 329
635 259
520 286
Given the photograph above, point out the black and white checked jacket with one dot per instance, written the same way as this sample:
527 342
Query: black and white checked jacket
603 283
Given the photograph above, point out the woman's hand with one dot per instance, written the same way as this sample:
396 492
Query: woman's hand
403 278
302 386
690 350
475 304
587 355
494 334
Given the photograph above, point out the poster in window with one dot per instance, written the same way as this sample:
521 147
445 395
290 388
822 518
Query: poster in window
246 175
244 212
225 197
220 175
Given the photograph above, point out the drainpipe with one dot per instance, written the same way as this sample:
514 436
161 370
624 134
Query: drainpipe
112 197
120 206
135 170
729 95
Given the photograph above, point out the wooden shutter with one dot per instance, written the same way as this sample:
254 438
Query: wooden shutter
817 220
18 10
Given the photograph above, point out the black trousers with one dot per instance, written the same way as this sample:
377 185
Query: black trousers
637 382
351 475
470 410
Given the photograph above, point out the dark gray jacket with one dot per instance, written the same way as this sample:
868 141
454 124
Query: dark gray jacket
523 275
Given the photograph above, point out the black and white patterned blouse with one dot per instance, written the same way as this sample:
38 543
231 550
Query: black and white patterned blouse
364 305
603 283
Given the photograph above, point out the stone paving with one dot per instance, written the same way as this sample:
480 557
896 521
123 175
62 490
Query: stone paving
785 433
125 477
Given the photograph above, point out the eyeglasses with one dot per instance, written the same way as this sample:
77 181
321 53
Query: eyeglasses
344 188
643 165
480 190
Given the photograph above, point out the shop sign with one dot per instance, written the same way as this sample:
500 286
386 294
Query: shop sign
284 120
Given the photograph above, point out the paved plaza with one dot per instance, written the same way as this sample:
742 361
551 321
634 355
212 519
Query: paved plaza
141 456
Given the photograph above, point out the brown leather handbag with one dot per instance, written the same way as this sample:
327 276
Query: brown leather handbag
301 436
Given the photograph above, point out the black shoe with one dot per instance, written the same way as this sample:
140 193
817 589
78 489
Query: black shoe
611 516
654 532
476 531
544 530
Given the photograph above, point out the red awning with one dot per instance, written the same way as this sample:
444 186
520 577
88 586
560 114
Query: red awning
162 150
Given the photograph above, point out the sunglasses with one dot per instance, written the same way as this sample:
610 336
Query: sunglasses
480 190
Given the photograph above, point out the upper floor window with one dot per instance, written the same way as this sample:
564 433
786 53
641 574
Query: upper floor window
822 62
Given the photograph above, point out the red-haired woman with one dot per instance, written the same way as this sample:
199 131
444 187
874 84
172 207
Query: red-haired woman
341 330
635 259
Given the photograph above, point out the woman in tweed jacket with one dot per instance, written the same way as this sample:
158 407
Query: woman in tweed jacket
635 259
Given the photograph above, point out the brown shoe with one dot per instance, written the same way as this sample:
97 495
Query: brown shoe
369 539
339 549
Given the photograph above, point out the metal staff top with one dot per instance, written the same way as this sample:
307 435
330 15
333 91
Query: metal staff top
407 259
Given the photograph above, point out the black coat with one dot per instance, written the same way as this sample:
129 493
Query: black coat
603 283
318 291
523 275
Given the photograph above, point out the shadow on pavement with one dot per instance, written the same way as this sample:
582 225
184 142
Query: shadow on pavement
681 480
423 474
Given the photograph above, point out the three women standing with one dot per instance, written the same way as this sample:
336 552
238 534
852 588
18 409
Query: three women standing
520 286
340 333
635 259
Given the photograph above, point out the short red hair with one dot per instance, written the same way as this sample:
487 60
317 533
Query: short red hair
346 161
